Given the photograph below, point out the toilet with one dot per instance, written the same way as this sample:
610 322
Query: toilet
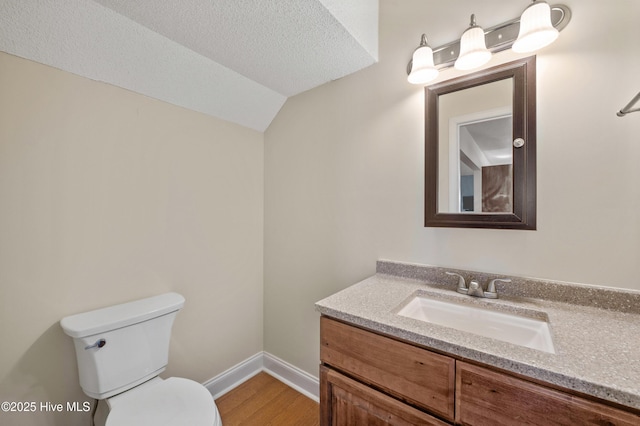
121 350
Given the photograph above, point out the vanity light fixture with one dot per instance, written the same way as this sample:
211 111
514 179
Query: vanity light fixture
473 49
515 34
423 69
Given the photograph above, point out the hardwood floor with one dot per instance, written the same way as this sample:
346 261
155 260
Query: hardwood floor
263 401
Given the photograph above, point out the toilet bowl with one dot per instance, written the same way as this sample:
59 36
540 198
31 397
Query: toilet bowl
158 402
121 350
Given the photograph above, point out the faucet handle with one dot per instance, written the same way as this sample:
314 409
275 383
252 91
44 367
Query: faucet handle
462 287
492 286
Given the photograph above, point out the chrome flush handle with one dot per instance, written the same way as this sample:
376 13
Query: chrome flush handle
98 344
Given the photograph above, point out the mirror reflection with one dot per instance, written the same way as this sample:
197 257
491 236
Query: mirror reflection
475 154
480 149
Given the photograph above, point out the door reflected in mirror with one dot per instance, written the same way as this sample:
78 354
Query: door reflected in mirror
475 130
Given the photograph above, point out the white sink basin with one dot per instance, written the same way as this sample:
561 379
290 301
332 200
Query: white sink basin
512 328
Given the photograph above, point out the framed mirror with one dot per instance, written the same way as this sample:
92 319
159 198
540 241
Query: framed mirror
480 149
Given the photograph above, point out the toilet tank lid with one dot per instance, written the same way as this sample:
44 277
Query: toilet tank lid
118 316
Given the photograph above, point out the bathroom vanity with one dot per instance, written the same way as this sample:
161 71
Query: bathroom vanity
380 366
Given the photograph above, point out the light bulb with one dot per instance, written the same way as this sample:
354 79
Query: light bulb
473 49
422 68
536 30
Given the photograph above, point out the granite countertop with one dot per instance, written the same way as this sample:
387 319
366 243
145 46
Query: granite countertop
595 331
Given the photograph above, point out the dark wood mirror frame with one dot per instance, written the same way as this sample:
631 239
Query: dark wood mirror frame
523 216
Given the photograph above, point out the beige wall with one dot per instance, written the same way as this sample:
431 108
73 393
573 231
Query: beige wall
107 196
344 169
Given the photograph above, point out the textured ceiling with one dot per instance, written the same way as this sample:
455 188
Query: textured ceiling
236 60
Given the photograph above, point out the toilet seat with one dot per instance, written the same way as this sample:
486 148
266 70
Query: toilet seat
171 402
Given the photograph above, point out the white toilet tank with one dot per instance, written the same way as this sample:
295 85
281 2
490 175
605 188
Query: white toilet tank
121 346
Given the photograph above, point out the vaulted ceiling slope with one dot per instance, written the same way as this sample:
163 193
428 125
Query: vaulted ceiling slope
237 60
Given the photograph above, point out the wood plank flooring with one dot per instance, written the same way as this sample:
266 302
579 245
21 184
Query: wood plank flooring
265 401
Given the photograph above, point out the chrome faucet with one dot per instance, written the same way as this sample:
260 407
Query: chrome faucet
475 289
462 287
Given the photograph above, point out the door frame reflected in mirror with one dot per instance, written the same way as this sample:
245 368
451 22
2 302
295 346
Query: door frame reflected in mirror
523 216
474 159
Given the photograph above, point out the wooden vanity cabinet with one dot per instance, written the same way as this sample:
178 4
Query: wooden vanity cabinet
489 398
413 375
370 379
345 402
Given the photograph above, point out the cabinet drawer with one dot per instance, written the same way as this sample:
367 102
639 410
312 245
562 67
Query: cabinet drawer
347 402
412 374
486 397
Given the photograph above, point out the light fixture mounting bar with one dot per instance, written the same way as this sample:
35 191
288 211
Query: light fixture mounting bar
498 38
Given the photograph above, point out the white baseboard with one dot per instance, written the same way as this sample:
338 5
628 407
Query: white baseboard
235 376
292 376
288 374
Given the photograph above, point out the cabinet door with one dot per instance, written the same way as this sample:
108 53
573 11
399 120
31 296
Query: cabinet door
421 378
345 402
486 397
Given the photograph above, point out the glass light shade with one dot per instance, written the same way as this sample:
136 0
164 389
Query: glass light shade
473 50
422 69
536 30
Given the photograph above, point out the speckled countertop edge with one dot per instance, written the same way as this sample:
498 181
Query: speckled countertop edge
596 346
557 291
